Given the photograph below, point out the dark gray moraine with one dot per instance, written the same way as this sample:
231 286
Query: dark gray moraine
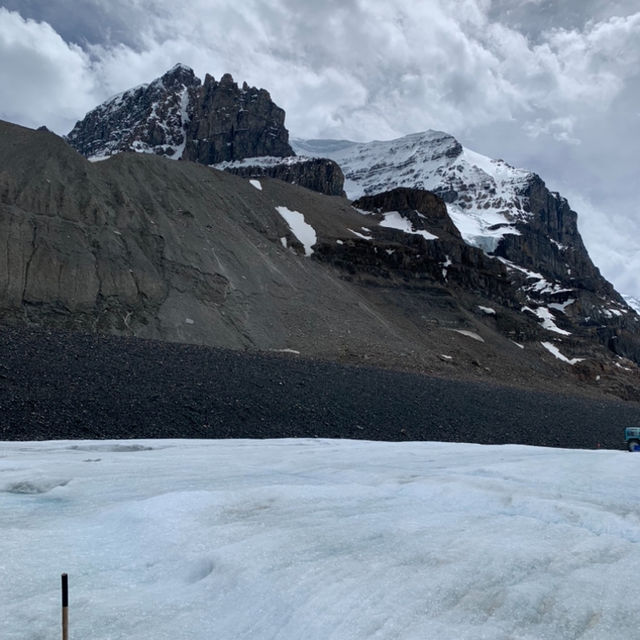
62 385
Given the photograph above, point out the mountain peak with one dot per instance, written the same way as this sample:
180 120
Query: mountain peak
178 116
179 67
483 195
227 79
180 74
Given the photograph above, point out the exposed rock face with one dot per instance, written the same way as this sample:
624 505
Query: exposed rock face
212 123
549 245
576 299
151 118
180 117
442 262
549 242
228 123
423 209
318 174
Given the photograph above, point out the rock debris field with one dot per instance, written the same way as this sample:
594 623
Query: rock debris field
63 385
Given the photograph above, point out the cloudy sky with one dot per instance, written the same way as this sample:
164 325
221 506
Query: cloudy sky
551 86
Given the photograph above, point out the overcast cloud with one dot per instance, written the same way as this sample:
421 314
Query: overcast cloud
551 86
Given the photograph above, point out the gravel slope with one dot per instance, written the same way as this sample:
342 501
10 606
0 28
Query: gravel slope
59 385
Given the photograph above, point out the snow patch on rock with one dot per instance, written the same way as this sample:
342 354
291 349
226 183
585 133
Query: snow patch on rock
394 220
551 348
305 233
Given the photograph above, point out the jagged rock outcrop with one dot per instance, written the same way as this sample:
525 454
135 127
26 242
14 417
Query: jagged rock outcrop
227 122
150 118
211 122
318 174
548 241
178 116
437 262
425 210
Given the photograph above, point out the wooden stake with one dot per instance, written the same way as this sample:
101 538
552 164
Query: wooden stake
65 607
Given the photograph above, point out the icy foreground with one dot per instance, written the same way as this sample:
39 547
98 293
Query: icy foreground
318 539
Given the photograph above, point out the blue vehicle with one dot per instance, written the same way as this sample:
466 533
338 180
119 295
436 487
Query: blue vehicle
632 438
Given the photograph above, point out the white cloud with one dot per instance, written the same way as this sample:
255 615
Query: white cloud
46 80
560 129
362 70
611 239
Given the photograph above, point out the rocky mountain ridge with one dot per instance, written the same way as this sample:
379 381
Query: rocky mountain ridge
210 122
179 116
318 174
508 213
149 118
140 245
444 262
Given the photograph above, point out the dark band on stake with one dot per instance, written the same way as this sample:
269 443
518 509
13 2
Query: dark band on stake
65 607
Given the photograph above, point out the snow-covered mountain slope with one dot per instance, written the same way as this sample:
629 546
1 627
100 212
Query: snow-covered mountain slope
484 197
507 212
634 303
149 118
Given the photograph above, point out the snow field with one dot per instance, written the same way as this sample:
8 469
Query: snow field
318 539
